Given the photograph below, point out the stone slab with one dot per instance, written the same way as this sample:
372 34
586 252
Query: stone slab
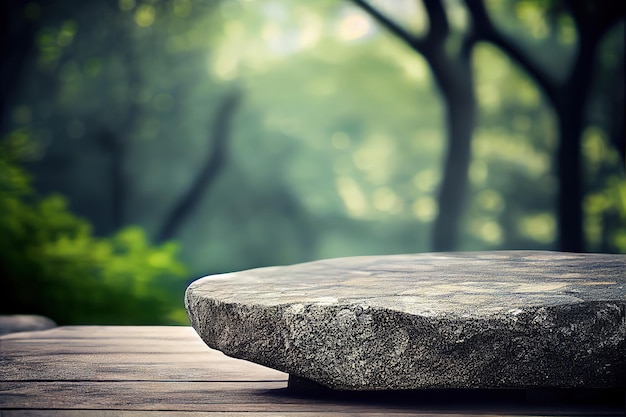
24 323
511 319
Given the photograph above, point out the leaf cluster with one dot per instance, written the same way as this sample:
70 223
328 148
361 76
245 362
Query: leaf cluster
52 264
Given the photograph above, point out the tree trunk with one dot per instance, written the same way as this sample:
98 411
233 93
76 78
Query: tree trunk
455 80
454 77
571 116
16 43
208 172
569 204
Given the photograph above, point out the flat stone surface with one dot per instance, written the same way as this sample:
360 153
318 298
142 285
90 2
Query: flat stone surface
511 319
24 323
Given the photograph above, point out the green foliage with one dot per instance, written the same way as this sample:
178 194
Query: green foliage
51 263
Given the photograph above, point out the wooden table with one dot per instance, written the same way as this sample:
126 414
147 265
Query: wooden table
168 371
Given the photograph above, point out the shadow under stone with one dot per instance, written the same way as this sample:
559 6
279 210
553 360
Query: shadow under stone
545 401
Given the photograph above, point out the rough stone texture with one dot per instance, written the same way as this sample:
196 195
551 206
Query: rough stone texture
24 323
513 319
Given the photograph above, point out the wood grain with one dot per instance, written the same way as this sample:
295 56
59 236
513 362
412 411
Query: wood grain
113 353
168 371
233 397
124 413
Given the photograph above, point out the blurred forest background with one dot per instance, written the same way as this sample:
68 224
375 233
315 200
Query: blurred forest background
146 143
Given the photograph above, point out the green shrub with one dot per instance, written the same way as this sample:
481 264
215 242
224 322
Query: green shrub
52 264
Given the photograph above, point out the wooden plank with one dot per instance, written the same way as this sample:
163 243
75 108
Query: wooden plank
116 353
123 413
246 397
168 371
164 396
121 367
122 332
138 395
239 397
119 332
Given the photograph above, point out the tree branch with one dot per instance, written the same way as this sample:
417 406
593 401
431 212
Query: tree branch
484 29
410 39
439 26
594 19
209 171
